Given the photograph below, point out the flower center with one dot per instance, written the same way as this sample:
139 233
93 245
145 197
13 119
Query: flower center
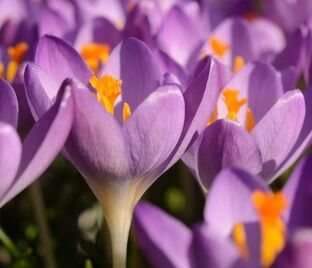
219 47
233 104
270 207
108 90
16 54
95 55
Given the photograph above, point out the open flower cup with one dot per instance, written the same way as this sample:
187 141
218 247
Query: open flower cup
257 125
21 163
243 217
130 124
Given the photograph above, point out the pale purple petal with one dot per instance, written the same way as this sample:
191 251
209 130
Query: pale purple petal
60 60
179 36
298 191
8 104
230 200
163 239
278 131
43 143
133 63
154 128
41 89
209 250
96 144
10 155
225 144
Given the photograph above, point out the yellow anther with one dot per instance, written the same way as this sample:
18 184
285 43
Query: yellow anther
239 63
1 69
12 68
214 116
250 120
95 55
230 98
108 89
239 237
17 52
219 47
270 207
126 112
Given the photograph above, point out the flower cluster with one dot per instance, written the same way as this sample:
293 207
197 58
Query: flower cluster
124 89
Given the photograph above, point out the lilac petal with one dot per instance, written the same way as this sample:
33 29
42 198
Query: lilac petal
164 240
11 150
153 130
41 89
270 38
8 104
200 99
207 250
61 60
230 200
174 36
297 252
99 30
96 144
278 131
133 63
261 84
237 33
299 196
297 52
304 139
225 144
43 143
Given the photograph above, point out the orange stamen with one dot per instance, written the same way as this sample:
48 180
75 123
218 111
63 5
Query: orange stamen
219 47
230 98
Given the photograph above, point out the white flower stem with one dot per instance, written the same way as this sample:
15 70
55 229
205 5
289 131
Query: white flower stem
118 203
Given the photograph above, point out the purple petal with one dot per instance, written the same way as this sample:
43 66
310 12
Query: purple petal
261 84
99 30
43 143
8 104
11 150
179 36
200 99
278 130
297 253
61 60
96 144
133 63
164 240
208 250
41 89
299 196
154 128
225 144
304 139
230 200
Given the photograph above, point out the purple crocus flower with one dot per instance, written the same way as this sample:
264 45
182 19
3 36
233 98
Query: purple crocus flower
22 163
240 212
255 125
297 54
237 40
129 125
288 14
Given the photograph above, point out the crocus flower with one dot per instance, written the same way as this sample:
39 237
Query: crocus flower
129 126
288 14
22 163
255 227
297 54
236 41
255 126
